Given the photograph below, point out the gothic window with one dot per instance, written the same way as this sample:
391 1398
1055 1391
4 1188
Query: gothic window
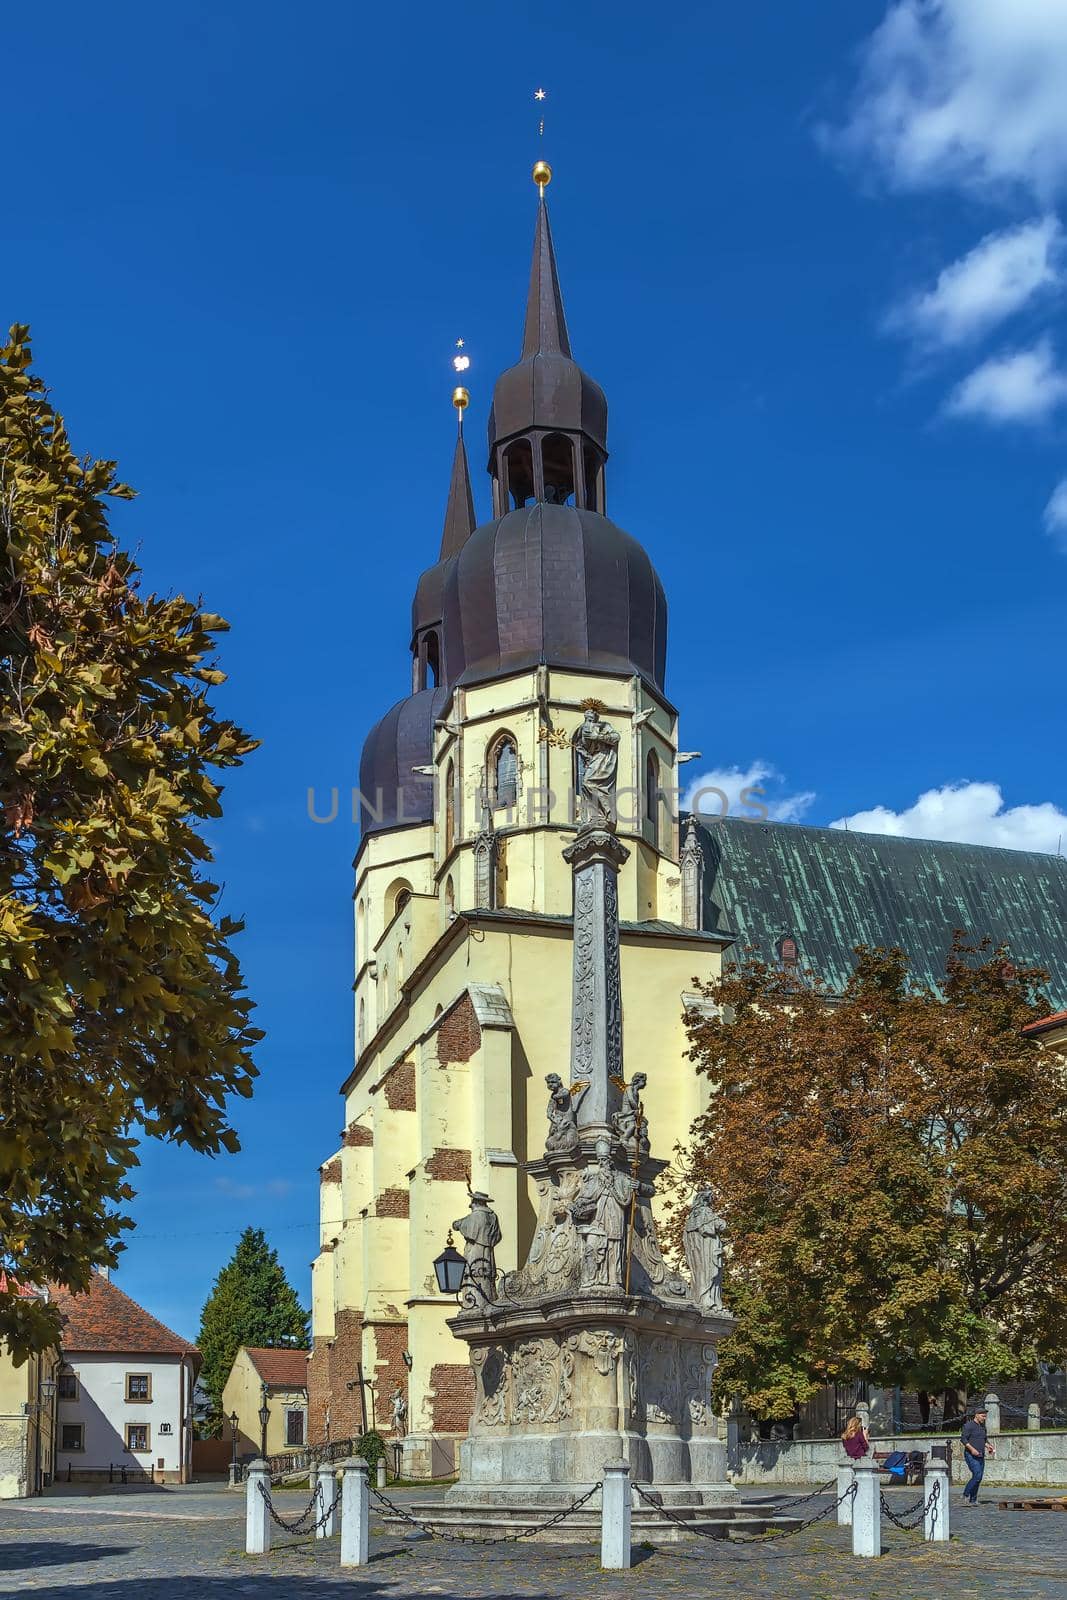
385 991
361 1027
399 972
652 794
518 464
503 774
361 932
450 807
557 466
397 896
450 896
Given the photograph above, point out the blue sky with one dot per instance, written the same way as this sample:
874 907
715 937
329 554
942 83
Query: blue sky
813 254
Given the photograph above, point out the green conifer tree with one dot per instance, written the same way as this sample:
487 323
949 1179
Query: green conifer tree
252 1302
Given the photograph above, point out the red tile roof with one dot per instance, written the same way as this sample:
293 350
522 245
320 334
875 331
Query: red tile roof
103 1318
1058 1019
280 1369
13 1286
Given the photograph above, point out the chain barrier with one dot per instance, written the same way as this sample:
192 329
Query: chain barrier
1045 1412
915 1515
802 1499
748 1538
928 1427
437 1532
300 1525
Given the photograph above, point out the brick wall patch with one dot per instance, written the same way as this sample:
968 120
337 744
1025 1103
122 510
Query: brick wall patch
451 1397
459 1035
356 1135
450 1166
399 1087
392 1203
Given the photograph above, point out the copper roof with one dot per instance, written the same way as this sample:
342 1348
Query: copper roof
1058 1019
103 1318
280 1369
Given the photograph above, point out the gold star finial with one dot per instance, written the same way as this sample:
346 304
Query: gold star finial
462 361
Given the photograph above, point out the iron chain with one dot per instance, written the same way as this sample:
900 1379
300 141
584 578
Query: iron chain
297 1525
437 1532
751 1538
914 1515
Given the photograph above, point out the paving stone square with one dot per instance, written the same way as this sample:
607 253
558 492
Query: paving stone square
188 1545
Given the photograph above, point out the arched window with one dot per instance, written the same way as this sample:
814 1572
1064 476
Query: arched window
502 777
450 896
361 932
557 465
652 793
432 675
399 972
385 991
518 464
450 807
594 482
361 1027
397 896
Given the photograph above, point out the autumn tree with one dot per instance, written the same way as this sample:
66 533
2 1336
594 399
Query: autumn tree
123 1011
251 1302
892 1167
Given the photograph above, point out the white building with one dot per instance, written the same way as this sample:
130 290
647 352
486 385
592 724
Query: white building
125 1392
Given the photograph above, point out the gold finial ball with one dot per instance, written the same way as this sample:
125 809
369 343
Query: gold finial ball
542 175
461 399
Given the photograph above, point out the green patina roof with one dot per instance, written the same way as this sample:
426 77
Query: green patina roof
833 890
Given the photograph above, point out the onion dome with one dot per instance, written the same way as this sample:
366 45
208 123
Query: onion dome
555 584
392 793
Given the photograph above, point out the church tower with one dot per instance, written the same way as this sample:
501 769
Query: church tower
463 898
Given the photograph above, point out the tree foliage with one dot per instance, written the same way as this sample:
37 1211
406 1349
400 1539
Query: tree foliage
123 1006
252 1302
892 1167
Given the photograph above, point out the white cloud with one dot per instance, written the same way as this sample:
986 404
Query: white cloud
993 281
1056 515
1019 386
744 792
965 92
973 813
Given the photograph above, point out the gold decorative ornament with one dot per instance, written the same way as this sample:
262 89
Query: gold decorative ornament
542 175
556 736
461 399
592 704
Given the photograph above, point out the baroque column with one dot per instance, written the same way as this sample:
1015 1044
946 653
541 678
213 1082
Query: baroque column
596 1030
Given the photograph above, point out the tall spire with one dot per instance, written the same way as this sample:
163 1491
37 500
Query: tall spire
459 512
546 325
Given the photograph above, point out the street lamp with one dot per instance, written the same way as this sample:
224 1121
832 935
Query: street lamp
233 1439
264 1418
449 1268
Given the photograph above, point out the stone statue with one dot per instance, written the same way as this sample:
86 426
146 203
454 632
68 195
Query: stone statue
481 1231
398 1408
704 1230
629 1121
597 745
601 1214
562 1116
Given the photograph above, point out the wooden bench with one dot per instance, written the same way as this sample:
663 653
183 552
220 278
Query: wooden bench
912 1475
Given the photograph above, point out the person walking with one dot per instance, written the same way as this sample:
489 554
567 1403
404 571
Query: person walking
975 1448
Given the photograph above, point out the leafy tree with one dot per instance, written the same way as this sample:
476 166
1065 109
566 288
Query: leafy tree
123 1006
251 1302
892 1168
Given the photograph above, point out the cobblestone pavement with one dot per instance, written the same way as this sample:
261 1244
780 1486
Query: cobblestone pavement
82 1549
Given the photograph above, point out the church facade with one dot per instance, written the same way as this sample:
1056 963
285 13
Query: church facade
463 900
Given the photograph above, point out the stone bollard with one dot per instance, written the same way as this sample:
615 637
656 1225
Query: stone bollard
845 1479
992 1405
935 1517
615 1516
257 1517
355 1513
867 1510
380 1473
1033 1417
326 1479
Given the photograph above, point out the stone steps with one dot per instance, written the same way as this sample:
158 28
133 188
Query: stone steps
583 1527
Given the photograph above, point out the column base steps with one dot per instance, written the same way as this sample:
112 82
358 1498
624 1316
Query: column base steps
583 1527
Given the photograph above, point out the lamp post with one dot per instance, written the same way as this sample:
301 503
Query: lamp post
264 1418
233 1440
